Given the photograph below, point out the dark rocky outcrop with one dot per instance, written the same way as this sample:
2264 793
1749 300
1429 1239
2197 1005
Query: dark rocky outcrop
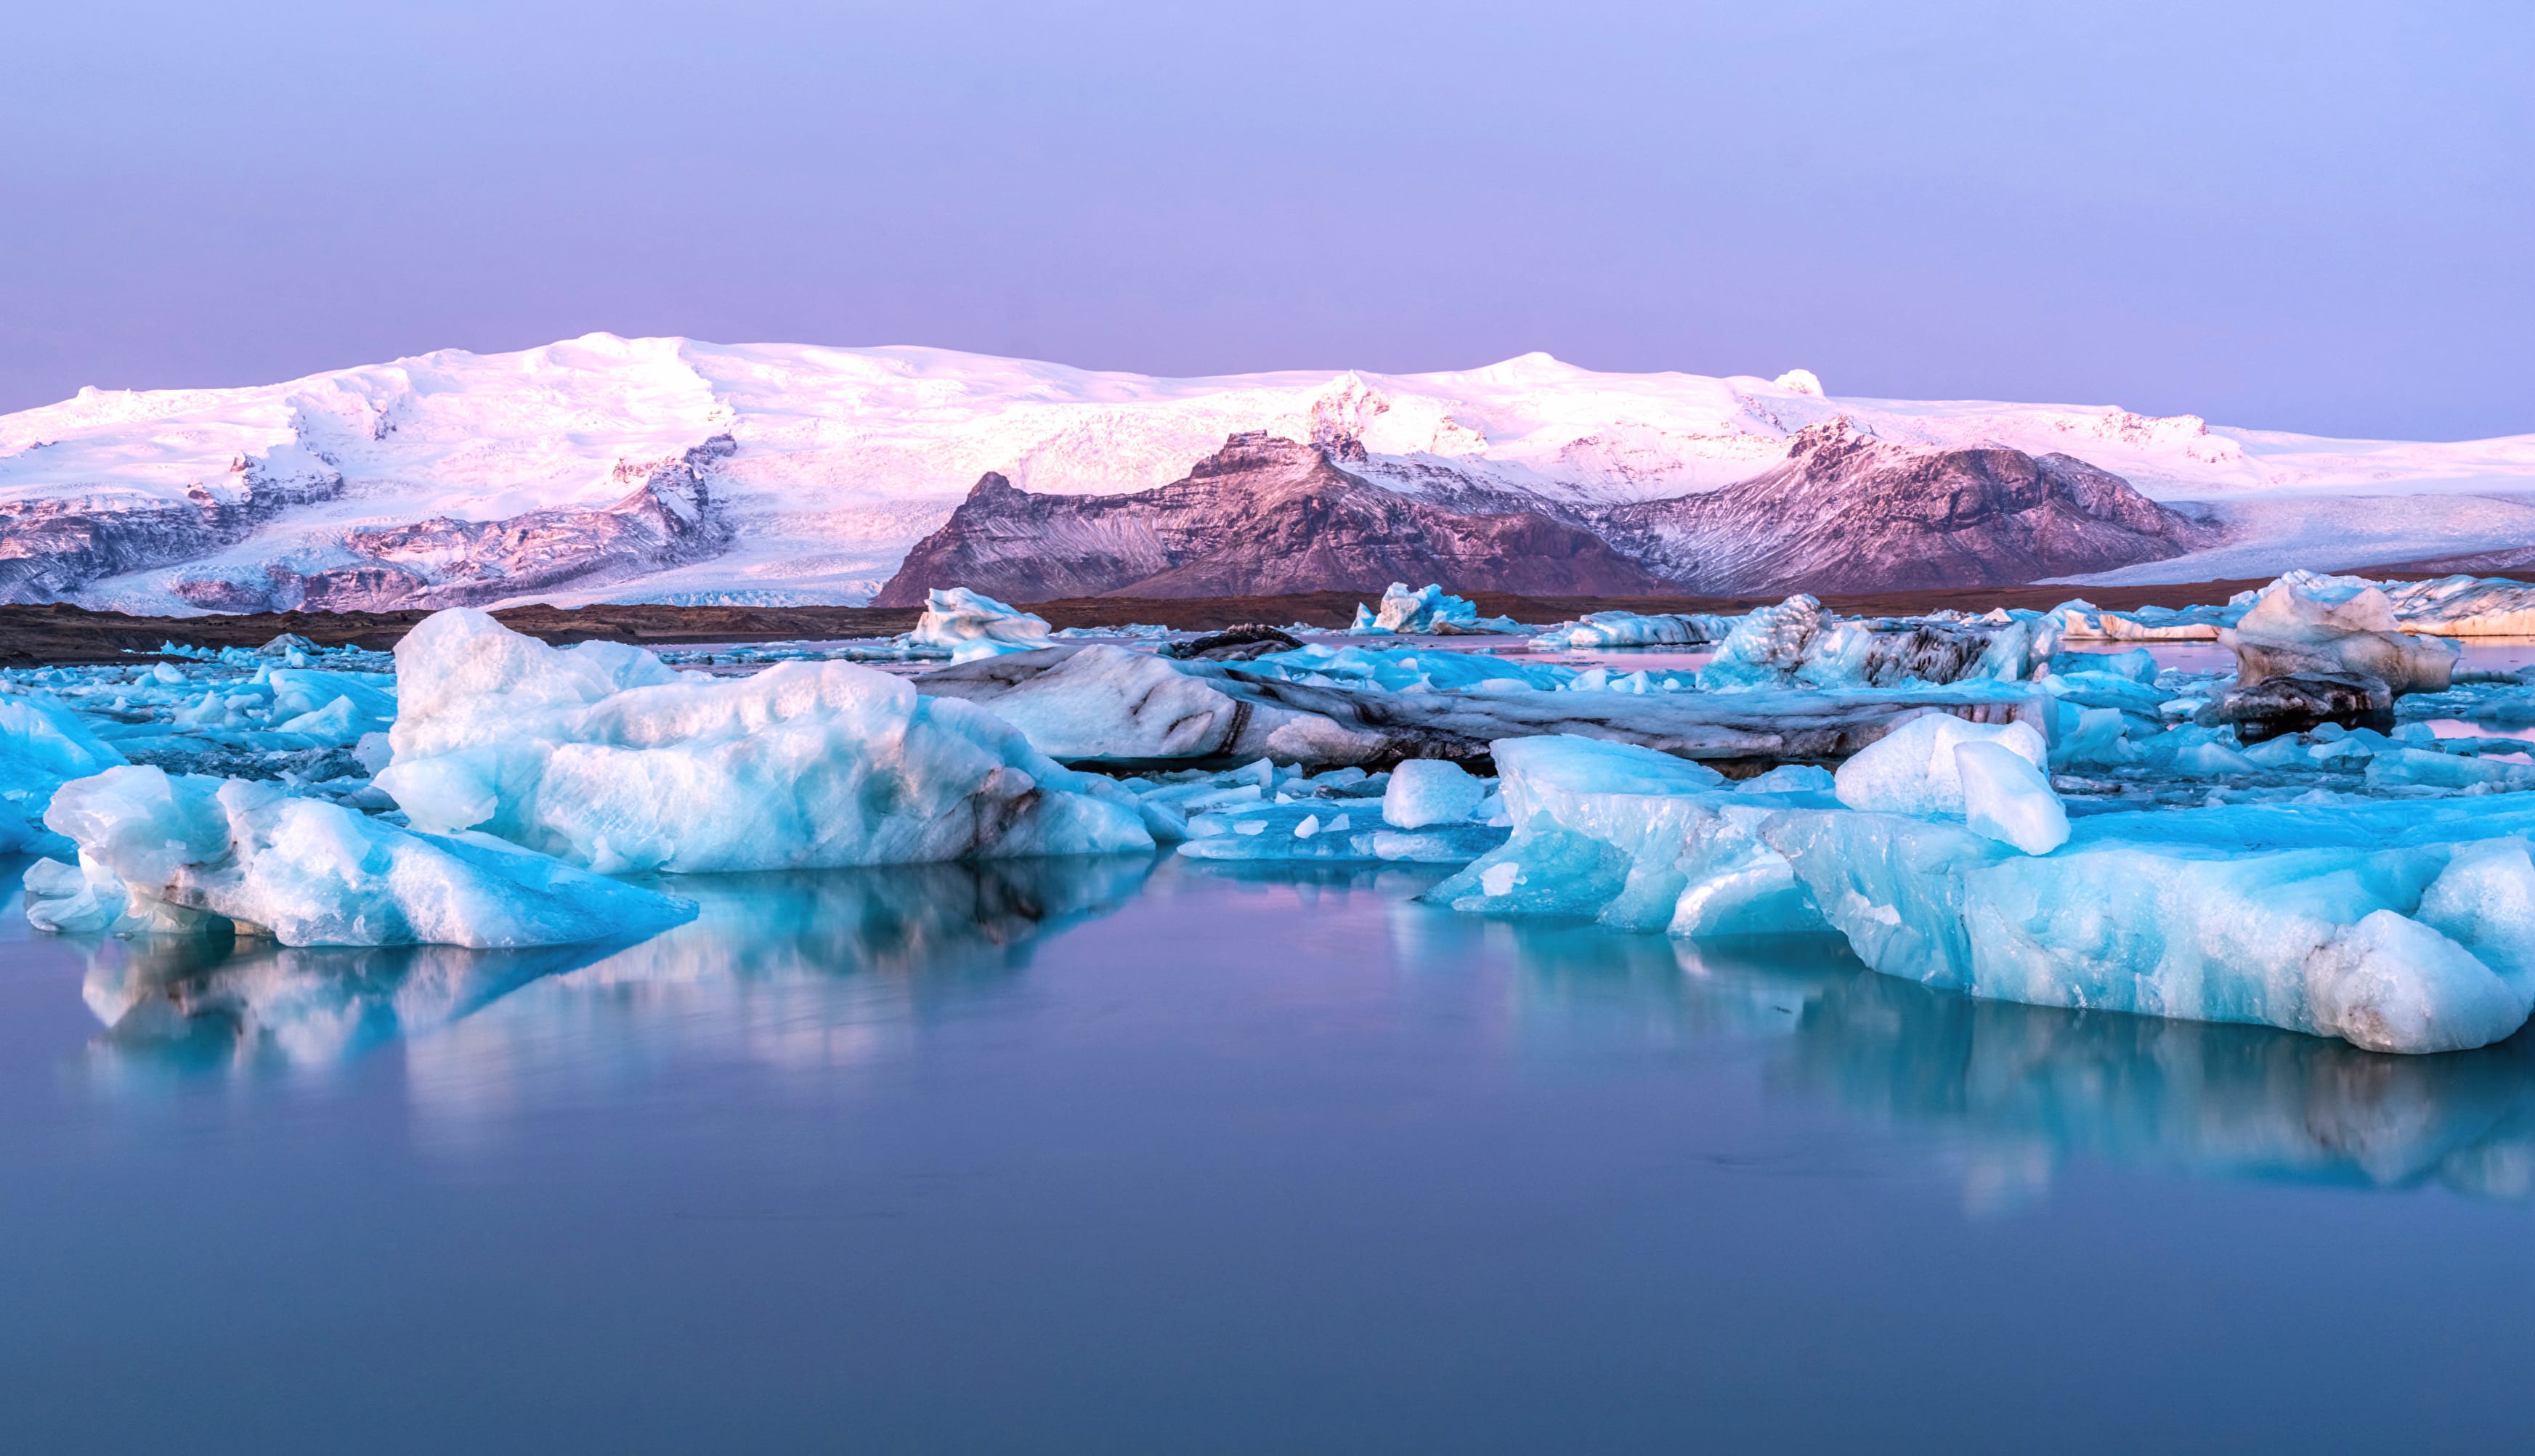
1238 643
1261 517
1846 512
671 517
2297 702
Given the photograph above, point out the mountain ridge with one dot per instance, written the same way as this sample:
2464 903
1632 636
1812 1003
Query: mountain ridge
841 460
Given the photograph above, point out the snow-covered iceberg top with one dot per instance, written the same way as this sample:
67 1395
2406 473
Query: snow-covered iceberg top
601 754
161 853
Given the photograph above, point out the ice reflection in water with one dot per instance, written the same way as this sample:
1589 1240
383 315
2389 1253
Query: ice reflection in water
809 970
924 931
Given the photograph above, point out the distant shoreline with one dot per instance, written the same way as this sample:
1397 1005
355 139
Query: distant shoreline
57 633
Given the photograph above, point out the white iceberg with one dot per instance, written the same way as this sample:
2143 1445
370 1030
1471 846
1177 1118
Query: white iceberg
2293 628
2390 928
970 623
1914 769
1639 840
1605 630
603 756
161 853
2397 927
2007 798
1427 609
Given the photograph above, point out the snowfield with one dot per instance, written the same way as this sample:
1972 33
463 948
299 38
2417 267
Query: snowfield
817 467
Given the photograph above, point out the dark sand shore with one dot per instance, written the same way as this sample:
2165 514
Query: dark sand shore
56 634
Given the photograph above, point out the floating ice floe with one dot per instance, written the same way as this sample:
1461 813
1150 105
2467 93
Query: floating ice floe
1427 609
1110 704
606 758
158 852
2395 926
1437 814
1795 644
1604 630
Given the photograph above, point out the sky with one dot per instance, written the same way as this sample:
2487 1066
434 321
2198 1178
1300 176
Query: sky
2309 216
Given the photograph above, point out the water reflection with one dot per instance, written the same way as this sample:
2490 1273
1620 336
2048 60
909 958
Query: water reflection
176 1005
188 1004
2007 1093
2028 1085
806 973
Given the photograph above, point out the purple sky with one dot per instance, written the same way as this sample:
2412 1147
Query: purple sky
2311 217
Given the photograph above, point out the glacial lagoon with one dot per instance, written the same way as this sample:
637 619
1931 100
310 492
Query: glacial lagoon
1156 1155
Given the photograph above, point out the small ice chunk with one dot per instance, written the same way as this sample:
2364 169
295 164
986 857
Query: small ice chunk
1498 880
1913 768
1430 791
2007 798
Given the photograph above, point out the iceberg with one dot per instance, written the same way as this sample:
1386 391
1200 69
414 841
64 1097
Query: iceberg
602 755
1914 770
2295 630
167 853
1605 630
1427 609
1638 840
43 745
1430 791
2390 928
2007 798
970 623
2397 927
2464 606
1797 644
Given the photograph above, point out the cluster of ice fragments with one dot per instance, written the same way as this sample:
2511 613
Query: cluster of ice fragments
2293 843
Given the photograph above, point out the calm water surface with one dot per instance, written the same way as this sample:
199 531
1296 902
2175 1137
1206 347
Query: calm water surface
1110 1157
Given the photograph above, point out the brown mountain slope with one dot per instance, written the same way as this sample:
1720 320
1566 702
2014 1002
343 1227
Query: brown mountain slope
1846 512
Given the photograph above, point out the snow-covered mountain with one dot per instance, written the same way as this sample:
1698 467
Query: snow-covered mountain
604 468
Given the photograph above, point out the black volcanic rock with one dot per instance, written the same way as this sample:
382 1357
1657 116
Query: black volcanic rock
1262 516
1846 512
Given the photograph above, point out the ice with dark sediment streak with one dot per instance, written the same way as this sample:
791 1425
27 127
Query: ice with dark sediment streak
604 757
2293 632
1796 643
1106 703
